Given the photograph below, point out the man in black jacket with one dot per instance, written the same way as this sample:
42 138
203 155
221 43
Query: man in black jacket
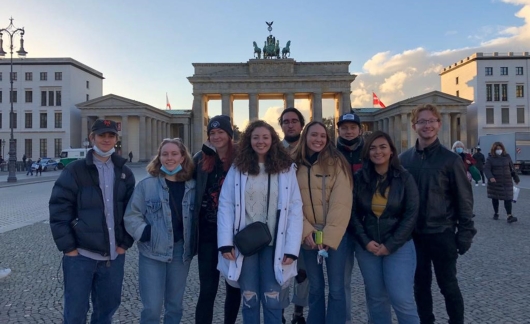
87 205
481 160
445 227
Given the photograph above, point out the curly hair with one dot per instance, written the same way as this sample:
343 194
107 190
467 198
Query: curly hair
422 107
153 168
277 158
329 156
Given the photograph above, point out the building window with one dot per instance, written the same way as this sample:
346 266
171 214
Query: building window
520 115
58 99
504 70
58 76
13 121
29 120
0 96
58 120
504 92
14 96
519 70
496 92
489 92
50 98
29 96
14 76
519 91
43 151
29 76
489 116
87 97
489 71
0 76
458 93
88 84
44 76
28 147
505 115
43 120
58 146
456 80
43 98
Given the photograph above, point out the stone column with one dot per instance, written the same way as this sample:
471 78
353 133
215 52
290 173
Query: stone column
346 102
148 137
405 144
397 131
154 137
288 100
125 137
84 128
446 130
391 128
186 135
253 106
199 122
463 130
316 106
168 132
227 105
454 128
338 107
413 134
380 125
385 125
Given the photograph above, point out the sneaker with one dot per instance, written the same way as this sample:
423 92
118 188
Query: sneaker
495 216
483 184
476 184
511 219
4 273
298 320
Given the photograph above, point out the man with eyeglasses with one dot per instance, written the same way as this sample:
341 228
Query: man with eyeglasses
292 122
445 227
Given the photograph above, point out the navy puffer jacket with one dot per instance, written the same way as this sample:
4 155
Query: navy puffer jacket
500 167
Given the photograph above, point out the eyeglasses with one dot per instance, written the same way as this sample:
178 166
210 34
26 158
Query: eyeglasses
292 121
427 121
172 139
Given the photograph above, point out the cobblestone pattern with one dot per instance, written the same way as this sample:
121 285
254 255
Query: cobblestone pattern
493 274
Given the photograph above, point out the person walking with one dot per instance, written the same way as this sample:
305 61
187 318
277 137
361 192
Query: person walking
384 216
350 143
24 160
480 161
163 203
87 205
445 226
325 181
212 164
292 122
29 168
460 149
38 169
245 200
130 156
500 171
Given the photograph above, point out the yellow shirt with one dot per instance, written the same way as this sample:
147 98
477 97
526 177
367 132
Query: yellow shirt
379 202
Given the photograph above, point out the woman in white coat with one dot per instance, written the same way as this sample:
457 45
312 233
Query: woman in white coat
262 163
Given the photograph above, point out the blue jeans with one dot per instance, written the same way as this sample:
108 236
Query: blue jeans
86 278
389 280
163 283
335 264
258 285
350 260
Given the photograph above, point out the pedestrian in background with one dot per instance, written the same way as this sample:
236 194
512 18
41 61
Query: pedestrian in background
87 205
159 217
38 169
29 167
480 161
384 216
500 171
130 156
261 186
211 166
460 149
326 185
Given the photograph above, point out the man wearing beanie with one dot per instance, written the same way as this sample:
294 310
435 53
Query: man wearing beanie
350 143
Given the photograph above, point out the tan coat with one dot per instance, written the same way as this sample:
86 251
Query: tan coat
339 197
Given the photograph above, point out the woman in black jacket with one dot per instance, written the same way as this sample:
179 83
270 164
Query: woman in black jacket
211 166
499 171
384 215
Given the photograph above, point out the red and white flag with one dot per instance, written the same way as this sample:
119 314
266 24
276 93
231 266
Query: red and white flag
168 105
377 102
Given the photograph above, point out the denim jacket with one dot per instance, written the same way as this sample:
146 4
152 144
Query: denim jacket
149 204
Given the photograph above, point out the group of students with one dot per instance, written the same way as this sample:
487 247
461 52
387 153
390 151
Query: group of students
321 202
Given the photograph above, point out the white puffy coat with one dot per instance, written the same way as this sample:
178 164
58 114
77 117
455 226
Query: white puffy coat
231 219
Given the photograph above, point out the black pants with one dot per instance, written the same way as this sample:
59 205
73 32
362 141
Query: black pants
209 282
507 206
482 175
440 250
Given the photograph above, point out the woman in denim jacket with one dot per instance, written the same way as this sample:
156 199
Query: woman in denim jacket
159 217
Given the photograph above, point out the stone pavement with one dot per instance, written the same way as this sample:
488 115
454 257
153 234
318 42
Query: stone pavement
494 274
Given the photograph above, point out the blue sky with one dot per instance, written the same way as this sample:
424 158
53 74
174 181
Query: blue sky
144 50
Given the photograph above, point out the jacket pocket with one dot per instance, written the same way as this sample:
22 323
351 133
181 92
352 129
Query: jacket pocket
155 217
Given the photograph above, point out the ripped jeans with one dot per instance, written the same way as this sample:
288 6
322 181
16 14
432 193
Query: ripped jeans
258 285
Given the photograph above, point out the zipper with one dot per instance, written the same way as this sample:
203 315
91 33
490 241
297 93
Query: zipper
310 194
378 231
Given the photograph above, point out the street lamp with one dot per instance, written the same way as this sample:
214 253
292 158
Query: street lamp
85 144
4 146
11 31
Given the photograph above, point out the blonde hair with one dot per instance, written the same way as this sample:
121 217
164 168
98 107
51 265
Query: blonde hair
432 108
153 168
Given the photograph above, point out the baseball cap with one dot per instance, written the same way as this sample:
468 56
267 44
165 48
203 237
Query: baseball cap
101 126
349 117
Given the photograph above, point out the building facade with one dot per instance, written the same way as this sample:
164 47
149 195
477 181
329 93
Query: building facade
497 83
45 94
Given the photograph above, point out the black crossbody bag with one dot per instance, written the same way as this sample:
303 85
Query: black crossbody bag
255 236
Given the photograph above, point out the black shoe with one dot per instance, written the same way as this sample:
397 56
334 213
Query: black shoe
496 216
298 320
511 219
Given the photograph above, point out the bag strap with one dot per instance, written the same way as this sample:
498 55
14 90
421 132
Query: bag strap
268 198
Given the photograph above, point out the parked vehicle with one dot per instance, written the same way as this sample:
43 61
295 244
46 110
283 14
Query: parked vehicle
46 163
517 144
69 155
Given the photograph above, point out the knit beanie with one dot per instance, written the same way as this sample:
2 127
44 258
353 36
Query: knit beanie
221 122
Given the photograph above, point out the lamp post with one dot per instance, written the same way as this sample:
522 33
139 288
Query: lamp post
11 31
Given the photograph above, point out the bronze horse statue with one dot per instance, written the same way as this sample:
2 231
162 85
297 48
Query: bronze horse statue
286 51
257 50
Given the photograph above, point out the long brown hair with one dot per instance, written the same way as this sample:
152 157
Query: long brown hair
277 158
153 168
208 161
329 156
494 146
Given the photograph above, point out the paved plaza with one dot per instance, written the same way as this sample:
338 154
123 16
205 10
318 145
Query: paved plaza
494 275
